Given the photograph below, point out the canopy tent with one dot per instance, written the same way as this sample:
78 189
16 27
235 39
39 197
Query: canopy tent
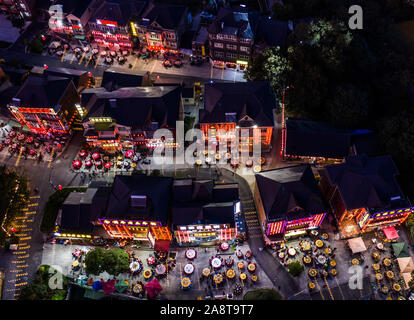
121 285
153 288
357 245
406 264
97 285
407 278
109 286
391 233
400 250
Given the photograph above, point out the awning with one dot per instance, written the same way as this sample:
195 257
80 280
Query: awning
400 250
153 288
406 264
391 233
357 245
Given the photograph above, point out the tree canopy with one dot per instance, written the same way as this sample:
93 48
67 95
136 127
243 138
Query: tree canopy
94 261
114 261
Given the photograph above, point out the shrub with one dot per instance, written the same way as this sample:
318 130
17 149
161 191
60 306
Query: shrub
295 268
94 261
115 261
262 294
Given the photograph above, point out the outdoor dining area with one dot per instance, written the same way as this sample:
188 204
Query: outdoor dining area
222 269
32 145
89 160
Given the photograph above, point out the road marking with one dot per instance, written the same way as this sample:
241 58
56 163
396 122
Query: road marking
152 69
32 204
319 288
34 197
63 55
87 62
18 158
81 59
71 60
133 66
329 288
340 290
97 61
51 157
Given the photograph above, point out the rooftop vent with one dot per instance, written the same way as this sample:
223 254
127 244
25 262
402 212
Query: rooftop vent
112 102
139 201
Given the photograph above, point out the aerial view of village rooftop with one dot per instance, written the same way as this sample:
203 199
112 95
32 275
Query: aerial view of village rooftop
215 150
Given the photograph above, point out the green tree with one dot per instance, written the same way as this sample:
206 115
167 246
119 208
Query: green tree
115 261
295 268
94 261
348 107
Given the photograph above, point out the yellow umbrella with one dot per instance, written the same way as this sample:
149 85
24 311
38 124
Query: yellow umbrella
75 263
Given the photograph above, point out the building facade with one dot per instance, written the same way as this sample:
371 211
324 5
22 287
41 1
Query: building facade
160 28
109 25
288 202
231 39
229 109
46 104
128 117
364 194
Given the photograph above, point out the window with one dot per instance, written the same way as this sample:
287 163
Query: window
231 46
219 54
231 55
218 45
244 49
231 116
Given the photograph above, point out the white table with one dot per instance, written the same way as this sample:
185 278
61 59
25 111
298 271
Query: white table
216 263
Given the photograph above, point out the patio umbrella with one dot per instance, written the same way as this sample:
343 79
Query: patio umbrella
405 264
77 164
98 163
121 285
391 233
88 163
153 288
96 156
83 154
129 153
400 250
7 142
29 140
97 285
357 245
108 286
107 165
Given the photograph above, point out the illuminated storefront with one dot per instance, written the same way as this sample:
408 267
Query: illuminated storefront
294 228
109 34
128 229
159 238
204 234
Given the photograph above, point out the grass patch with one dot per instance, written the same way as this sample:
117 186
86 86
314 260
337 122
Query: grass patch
53 205
262 294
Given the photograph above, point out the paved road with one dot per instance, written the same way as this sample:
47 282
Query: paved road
22 265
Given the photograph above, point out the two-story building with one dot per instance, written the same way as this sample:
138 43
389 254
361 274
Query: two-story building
231 107
46 104
364 194
109 24
133 208
70 17
288 202
231 38
128 116
160 28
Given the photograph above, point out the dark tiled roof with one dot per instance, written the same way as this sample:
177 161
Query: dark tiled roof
252 99
365 182
234 22
42 92
316 139
75 7
6 97
76 211
156 189
115 80
119 10
289 193
204 201
66 73
136 105
168 16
